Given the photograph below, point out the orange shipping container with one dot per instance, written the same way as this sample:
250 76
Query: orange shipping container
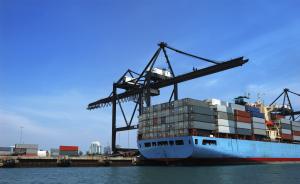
242 113
297 133
242 119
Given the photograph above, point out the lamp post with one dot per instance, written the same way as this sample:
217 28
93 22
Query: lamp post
21 133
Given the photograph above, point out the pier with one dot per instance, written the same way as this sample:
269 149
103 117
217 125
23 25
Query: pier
86 161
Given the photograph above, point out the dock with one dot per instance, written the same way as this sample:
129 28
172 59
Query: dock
84 161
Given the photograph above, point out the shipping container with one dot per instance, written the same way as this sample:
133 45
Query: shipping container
54 152
216 102
285 131
296 123
285 121
296 128
68 153
258 120
243 125
286 136
259 126
286 126
296 133
221 108
251 109
30 146
42 153
5 151
226 129
259 132
68 148
237 107
257 114
202 125
228 123
243 119
31 151
242 114
225 115
243 131
296 138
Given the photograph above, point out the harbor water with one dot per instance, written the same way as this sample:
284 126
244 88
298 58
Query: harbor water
272 173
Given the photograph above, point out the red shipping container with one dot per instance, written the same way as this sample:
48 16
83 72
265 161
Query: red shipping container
242 113
296 133
242 119
68 148
286 136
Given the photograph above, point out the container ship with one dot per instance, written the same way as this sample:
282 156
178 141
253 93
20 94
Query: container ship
217 131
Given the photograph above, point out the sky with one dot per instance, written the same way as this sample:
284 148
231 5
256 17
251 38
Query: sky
58 56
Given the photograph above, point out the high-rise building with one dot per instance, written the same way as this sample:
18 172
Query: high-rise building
95 148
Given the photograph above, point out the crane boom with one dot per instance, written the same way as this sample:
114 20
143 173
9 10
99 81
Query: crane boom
178 79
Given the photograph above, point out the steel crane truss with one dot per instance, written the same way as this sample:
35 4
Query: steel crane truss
140 87
287 108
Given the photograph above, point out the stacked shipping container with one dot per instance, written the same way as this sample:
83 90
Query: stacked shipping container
258 121
225 117
68 150
296 130
5 151
243 121
193 117
54 152
178 118
285 129
26 149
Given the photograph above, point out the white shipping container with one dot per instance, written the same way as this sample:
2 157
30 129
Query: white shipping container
214 101
259 132
226 129
285 131
243 125
223 108
224 122
296 128
259 126
237 107
42 153
285 121
258 120
296 123
296 138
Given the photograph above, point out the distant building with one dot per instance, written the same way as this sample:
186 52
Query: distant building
107 150
95 148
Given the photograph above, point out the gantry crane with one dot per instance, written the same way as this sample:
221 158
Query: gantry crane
286 109
140 87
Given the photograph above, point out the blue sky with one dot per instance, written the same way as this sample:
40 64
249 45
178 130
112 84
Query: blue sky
57 56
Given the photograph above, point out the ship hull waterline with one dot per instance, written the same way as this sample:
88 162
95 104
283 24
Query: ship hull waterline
200 150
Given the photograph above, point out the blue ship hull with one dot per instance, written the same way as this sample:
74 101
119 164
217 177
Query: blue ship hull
208 148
